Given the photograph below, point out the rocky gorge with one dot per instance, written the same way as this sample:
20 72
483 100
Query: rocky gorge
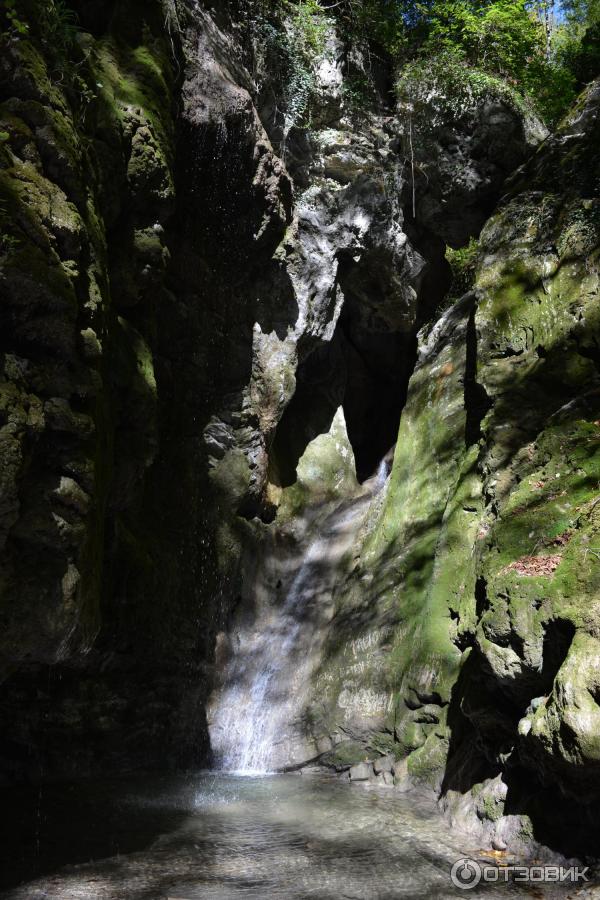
231 343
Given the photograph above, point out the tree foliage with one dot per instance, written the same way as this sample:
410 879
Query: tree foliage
577 41
539 51
502 39
543 50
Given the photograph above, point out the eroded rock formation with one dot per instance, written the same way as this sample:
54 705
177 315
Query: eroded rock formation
473 587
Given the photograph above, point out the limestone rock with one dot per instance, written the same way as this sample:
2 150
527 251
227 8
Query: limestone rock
361 772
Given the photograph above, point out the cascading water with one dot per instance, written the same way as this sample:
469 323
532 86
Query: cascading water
255 717
381 475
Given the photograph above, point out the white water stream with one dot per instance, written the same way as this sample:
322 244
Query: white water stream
255 718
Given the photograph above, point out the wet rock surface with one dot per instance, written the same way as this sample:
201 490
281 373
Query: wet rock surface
483 592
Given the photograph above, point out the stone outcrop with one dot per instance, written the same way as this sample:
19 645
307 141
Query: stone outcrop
460 152
87 176
473 587
97 610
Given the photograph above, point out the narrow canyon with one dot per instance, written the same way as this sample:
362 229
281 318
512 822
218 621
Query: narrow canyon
299 460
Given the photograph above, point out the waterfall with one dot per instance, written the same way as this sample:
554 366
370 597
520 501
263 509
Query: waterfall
255 717
381 475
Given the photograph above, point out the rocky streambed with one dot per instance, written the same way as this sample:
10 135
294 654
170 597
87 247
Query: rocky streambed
221 837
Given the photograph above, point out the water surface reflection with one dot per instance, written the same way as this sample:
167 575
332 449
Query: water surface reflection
218 836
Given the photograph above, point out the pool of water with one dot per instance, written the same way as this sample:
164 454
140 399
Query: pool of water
219 836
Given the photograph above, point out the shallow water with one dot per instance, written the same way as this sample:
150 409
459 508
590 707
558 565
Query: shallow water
219 836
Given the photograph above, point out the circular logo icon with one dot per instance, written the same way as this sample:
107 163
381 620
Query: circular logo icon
465 874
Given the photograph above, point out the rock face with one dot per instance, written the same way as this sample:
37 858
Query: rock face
474 585
462 152
87 181
112 369
198 288
533 626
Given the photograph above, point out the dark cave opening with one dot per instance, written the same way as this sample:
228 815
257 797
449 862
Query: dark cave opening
558 637
367 365
367 375
379 362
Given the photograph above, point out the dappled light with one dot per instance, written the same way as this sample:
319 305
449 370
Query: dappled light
299 449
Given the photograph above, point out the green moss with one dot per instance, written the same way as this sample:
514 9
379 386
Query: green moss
516 285
490 808
326 472
462 266
34 70
580 230
436 561
426 764
526 828
63 167
231 477
345 754
38 215
410 735
546 515
142 355
383 743
138 81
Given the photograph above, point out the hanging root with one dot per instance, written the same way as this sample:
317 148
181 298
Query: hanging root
172 25
412 166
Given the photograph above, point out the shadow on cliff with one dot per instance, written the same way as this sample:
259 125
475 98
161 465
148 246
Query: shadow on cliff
210 848
46 828
483 721
223 273
368 379
485 708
